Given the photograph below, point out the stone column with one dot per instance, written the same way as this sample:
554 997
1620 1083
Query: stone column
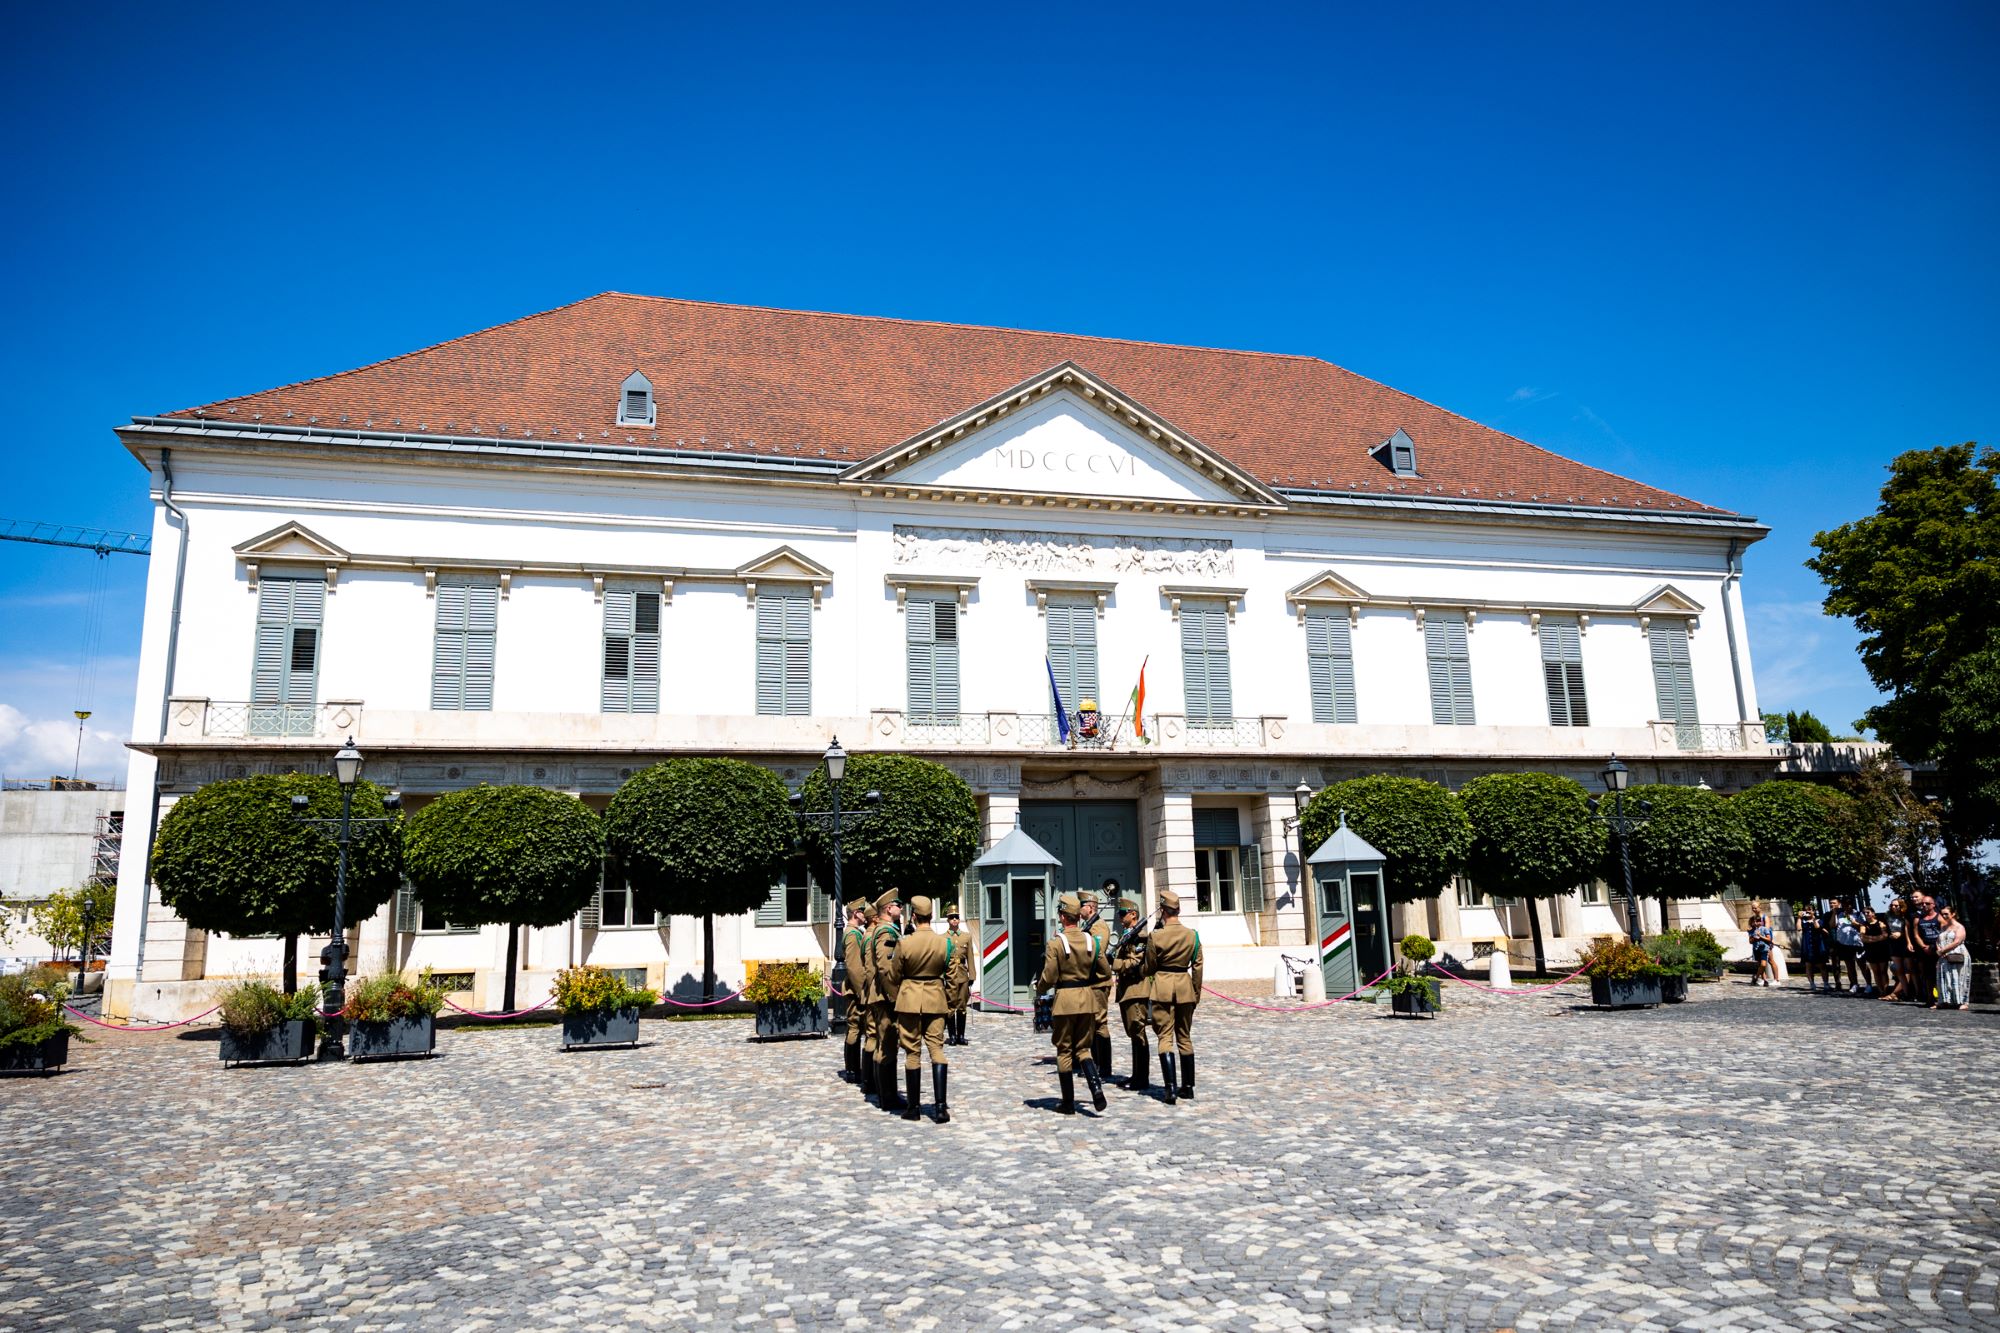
1173 849
1284 916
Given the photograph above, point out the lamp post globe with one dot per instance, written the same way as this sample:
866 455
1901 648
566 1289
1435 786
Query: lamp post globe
1616 775
347 764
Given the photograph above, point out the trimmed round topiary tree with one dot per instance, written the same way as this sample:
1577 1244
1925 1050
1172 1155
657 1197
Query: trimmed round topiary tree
1419 826
919 839
1801 840
701 837
232 858
1533 837
513 856
1691 845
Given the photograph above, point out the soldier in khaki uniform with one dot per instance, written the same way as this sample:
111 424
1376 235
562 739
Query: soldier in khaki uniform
958 990
860 1061
1173 965
1134 990
1072 965
1097 924
883 940
918 972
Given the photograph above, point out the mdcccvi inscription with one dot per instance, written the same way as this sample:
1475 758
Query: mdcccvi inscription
1063 462
1063 552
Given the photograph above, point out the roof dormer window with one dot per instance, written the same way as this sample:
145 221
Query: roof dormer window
1398 453
635 401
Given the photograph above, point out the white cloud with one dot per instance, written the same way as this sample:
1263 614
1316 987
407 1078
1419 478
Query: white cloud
1525 394
46 747
1806 659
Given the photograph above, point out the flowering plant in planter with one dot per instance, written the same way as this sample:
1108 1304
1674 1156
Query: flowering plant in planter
389 997
592 990
1616 959
253 1008
786 983
31 1010
1413 993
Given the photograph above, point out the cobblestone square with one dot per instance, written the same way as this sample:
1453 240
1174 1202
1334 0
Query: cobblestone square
1751 1159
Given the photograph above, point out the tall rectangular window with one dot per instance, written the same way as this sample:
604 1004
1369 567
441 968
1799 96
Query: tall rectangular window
784 651
1673 673
468 615
1073 649
1562 672
931 652
1205 664
284 676
1217 843
1450 661
1330 664
631 651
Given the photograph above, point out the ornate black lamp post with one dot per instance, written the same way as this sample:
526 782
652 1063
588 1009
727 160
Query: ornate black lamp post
1296 826
835 819
1616 778
347 772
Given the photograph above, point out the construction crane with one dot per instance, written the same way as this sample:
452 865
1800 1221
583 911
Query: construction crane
69 534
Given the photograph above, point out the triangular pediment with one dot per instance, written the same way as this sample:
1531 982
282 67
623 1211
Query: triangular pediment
1063 434
785 565
291 541
1667 600
1327 586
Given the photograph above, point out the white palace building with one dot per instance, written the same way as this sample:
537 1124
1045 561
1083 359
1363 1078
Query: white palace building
562 549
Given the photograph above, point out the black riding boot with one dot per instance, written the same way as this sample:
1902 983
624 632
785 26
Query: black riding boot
951 1028
850 1070
1100 1048
886 1072
1187 1076
1068 1082
1095 1082
1139 1081
866 1074
963 1016
939 1079
1168 1080
913 1093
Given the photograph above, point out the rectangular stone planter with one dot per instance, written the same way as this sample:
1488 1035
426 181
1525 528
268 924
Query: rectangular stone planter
387 1041
41 1058
1412 1006
791 1018
290 1040
1640 992
605 1027
1673 990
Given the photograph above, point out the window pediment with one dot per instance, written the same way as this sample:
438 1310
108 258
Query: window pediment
1327 588
784 566
291 544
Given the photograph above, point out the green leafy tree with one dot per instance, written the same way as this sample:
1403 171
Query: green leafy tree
1419 826
1920 578
514 856
1803 843
79 920
232 857
919 839
1533 837
1806 729
701 837
1692 844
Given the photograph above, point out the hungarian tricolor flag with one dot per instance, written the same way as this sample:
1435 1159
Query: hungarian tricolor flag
1136 706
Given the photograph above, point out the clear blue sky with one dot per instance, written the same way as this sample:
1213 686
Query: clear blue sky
1742 252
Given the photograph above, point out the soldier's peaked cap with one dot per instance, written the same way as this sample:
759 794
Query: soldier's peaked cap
1128 905
951 909
1170 900
1085 896
920 907
858 905
893 895
1069 906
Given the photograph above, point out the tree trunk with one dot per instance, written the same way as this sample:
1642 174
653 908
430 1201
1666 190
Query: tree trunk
1663 914
1535 926
707 957
513 960
291 964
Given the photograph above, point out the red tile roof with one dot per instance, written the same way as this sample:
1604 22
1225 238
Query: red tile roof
752 380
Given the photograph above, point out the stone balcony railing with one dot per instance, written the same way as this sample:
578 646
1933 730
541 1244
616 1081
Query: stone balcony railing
195 720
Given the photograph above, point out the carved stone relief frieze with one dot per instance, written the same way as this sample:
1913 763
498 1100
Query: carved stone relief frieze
1061 552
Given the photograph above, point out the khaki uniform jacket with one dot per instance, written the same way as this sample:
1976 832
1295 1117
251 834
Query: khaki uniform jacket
1100 930
1173 962
964 969
1129 967
1072 965
882 944
917 971
854 953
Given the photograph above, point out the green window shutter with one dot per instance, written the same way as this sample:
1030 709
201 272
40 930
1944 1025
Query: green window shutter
1330 665
1205 665
592 915
448 654
646 652
407 918
920 658
617 691
1449 660
482 616
784 652
1072 630
1562 673
1673 672
771 912
462 661
1250 857
818 903
1216 828
284 675
944 664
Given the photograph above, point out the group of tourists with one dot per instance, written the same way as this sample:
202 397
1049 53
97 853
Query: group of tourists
909 987
1914 952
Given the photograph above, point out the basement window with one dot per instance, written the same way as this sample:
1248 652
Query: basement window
635 401
1398 453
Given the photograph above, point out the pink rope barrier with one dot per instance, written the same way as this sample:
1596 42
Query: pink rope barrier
1292 1008
995 1004
149 1027
512 1013
699 1004
1511 990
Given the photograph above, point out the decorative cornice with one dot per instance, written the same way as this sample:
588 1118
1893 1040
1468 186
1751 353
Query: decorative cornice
962 584
1231 598
1097 592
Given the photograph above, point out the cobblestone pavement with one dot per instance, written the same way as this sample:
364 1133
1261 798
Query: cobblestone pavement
1752 1159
